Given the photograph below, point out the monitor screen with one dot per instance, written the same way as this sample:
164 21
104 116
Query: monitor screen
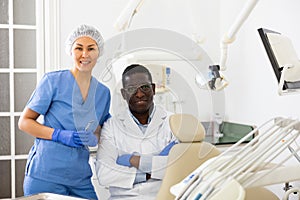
280 51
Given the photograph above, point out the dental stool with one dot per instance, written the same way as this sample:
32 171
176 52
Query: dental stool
190 153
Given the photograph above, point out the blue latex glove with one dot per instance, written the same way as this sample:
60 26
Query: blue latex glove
124 160
66 137
88 138
167 149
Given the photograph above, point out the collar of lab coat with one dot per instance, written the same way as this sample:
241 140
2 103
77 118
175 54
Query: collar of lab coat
158 119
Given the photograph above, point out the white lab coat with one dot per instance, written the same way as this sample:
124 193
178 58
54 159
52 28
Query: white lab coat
121 135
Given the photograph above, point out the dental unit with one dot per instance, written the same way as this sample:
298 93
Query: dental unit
244 166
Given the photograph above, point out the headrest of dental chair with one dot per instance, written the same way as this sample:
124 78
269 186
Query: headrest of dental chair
187 128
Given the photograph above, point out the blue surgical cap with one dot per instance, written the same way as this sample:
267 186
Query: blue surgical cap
81 31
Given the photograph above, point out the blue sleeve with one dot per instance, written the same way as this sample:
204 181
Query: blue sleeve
107 107
106 115
41 97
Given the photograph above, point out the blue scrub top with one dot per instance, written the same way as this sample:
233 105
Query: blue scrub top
59 99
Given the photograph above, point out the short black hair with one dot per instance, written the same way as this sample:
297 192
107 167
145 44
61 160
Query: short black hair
133 69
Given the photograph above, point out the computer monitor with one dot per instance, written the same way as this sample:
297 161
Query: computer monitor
281 52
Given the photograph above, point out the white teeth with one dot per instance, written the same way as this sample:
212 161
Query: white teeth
85 62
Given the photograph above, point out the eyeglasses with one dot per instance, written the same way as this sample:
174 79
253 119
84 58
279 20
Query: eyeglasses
145 87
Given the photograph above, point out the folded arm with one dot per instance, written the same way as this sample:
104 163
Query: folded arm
110 173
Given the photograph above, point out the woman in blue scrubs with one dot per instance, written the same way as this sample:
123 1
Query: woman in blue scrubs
74 106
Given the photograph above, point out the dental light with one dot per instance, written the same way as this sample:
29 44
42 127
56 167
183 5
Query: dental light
217 81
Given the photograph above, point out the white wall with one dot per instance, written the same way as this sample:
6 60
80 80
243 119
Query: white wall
185 17
251 96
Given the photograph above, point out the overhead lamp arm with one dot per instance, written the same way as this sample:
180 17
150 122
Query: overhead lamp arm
124 20
230 36
218 81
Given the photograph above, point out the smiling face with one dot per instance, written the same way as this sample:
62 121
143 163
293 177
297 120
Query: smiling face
85 53
138 91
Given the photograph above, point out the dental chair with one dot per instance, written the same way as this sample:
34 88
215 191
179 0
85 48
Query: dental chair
190 153
186 156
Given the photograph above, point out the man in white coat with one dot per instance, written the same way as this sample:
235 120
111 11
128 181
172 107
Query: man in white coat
134 143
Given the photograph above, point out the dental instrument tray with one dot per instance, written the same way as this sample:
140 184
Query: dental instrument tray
227 132
233 132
